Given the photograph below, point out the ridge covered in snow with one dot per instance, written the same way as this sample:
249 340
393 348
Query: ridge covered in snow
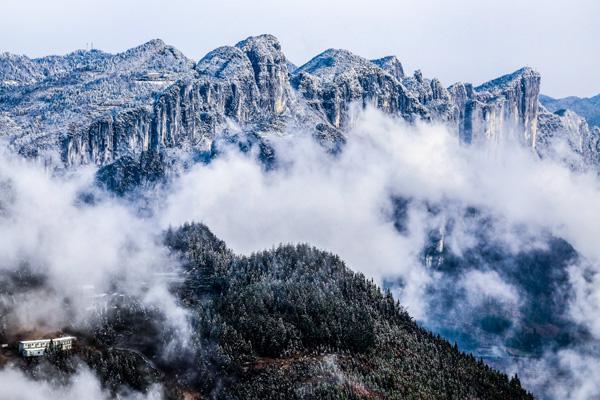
95 107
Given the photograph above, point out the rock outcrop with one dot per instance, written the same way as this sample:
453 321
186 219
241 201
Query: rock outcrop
270 72
433 95
233 88
90 106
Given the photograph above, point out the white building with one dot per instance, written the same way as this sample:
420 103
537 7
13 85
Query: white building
34 348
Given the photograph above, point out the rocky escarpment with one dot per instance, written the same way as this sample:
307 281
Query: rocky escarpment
94 107
233 88
248 88
246 85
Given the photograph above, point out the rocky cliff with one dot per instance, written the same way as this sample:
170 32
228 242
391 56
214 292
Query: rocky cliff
90 106
506 105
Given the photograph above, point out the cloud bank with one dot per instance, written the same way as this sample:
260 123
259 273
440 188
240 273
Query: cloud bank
78 248
83 385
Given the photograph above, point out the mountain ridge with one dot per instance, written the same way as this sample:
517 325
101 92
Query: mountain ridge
151 102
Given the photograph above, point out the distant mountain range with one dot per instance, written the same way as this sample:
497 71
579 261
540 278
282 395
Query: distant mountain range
133 113
589 108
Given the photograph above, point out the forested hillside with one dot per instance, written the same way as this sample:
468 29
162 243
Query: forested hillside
290 322
295 322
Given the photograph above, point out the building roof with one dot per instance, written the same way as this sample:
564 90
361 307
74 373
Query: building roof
47 340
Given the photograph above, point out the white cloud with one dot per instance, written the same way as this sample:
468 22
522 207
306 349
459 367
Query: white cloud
488 284
585 304
568 374
342 203
82 385
82 251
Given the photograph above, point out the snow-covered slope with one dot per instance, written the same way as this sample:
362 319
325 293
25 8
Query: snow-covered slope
335 79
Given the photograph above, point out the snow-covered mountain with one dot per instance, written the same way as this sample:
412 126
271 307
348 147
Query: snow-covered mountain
134 109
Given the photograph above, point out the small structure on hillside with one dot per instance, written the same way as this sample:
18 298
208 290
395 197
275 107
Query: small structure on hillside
35 348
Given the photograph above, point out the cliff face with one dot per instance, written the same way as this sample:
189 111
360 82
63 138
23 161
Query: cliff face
95 107
108 138
246 85
503 106
270 72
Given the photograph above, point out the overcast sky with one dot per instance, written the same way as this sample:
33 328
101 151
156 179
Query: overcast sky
461 40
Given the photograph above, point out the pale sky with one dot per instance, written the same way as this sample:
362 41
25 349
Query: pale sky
460 40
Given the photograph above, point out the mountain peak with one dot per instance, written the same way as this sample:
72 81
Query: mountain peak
153 44
18 69
333 62
270 69
264 40
525 72
262 49
223 62
390 64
